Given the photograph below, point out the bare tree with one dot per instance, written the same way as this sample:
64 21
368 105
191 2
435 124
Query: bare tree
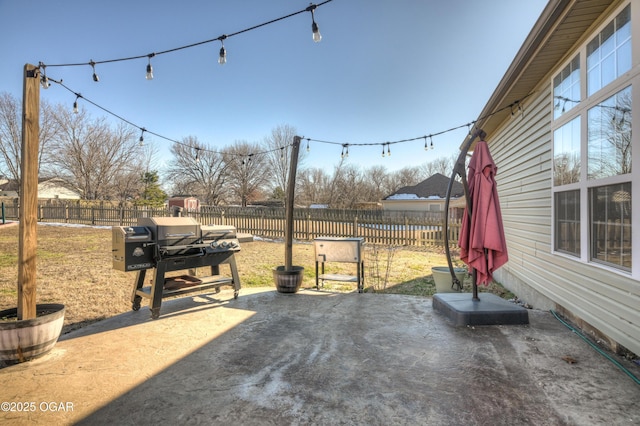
379 183
129 184
198 170
11 135
91 155
247 172
278 145
442 165
348 184
313 186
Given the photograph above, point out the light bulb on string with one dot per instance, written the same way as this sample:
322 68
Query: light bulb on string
75 103
382 150
149 75
308 148
93 67
44 80
388 150
314 27
431 145
222 58
197 154
345 150
282 153
141 140
426 147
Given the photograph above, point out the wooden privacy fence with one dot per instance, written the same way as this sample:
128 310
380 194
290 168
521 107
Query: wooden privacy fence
375 226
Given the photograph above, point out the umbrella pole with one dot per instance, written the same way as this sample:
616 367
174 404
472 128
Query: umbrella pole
459 169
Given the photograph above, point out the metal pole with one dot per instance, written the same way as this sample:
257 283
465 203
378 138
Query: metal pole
291 187
458 169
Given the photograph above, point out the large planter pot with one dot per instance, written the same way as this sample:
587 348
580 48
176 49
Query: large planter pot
443 279
27 339
288 281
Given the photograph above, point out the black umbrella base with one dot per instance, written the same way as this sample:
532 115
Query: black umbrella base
461 309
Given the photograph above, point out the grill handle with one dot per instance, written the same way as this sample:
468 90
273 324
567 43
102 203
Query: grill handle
137 237
188 234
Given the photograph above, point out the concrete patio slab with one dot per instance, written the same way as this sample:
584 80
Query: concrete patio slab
317 358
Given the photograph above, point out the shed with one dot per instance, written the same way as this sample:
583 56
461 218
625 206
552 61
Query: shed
190 204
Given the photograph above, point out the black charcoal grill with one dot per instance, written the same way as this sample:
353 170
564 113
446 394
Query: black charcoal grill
169 244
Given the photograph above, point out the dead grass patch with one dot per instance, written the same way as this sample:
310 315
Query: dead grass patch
74 268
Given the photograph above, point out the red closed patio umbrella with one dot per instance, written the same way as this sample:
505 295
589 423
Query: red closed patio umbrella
482 243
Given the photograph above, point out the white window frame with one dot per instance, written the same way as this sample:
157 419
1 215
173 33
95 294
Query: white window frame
630 78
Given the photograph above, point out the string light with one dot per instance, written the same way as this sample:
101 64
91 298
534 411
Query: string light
316 37
197 154
75 103
519 108
345 150
44 80
426 147
345 145
93 67
222 59
149 75
314 27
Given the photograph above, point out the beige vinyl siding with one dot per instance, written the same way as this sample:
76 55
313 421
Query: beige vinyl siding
607 300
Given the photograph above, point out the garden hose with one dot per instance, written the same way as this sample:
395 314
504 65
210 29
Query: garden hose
616 363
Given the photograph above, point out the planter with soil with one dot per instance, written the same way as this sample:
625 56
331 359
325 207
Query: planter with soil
23 340
288 280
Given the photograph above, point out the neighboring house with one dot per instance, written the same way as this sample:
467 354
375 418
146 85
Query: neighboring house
56 188
429 195
47 189
565 181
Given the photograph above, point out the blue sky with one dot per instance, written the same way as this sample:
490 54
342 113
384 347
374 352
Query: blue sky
384 71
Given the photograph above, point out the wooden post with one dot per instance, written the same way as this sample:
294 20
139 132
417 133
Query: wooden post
291 188
28 194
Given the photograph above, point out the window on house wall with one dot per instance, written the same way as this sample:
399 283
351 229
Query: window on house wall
609 53
566 153
566 88
567 214
610 219
609 136
592 145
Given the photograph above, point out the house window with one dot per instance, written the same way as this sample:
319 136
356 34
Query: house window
566 153
566 88
592 146
609 53
567 214
610 217
609 136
